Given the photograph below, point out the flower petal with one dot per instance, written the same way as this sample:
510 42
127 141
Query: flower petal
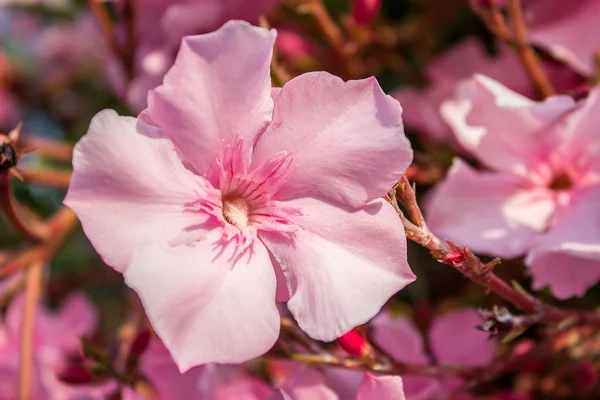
342 266
204 306
128 187
381 388
505 130
455 339
567 30
567 257
346 138
489 212
218 88
400 338
308 384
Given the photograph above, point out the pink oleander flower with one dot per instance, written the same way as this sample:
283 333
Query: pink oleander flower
567 30
160 26
56 343
309 384
540 193
227 195
453 339
456 66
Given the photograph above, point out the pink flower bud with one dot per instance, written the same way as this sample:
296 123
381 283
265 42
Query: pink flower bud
455 257
293 46
354 344
365 11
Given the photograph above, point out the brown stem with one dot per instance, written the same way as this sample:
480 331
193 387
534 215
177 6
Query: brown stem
61 151
473 268
32 295
517 39
31 227
50 177
59 226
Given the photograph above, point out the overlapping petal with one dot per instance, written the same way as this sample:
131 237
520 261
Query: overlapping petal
207 304
342 266
128 187
346 138
219 88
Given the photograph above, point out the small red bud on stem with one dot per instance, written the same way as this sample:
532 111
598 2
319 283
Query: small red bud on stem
354 344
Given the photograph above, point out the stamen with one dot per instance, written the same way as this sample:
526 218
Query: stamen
235 212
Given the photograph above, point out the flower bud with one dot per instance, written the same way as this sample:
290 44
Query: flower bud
354 344
140 343
76 376
365 11
455 257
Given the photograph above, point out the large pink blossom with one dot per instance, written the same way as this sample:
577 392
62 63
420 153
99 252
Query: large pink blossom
539 197
566 29
227 195
453 338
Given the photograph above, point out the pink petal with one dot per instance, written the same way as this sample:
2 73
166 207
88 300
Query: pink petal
421 110
381 388
218 88
489 212
279 394
308 384
346 138
128 187
505 130
400 338
568 30
567 257
565 274
455 339
204 305
342 266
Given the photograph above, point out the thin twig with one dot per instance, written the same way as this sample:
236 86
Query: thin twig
31 227
464 261
32 295
517 39
61 151
47 176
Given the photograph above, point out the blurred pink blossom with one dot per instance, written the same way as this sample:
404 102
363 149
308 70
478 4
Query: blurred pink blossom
160 26
457 65
310 384
566 29
56 341
227 195
539 197
453 339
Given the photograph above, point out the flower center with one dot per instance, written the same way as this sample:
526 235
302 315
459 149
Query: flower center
236 211
561 181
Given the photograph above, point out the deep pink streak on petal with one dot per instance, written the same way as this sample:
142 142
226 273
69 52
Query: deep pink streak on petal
346 138
381 388
455 339
218 88
128 187
279 394
400 338
343 265
204 306
489 212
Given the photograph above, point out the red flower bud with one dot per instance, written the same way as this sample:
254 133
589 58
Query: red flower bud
365 11
354 344
76 376
455 257
140 343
